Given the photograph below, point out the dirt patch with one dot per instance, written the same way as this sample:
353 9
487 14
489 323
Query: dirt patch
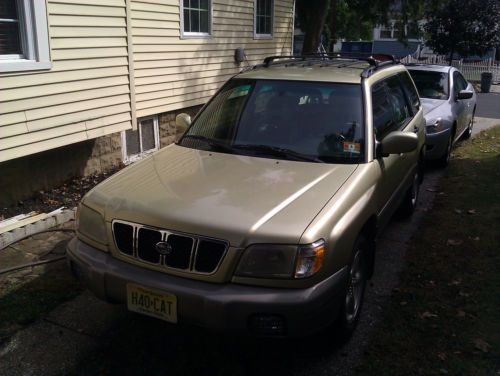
68 194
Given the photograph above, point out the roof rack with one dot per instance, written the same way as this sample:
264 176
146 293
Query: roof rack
376 61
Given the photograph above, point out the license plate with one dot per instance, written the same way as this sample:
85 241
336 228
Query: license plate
159 304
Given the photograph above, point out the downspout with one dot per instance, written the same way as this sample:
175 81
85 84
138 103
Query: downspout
130 55
293 27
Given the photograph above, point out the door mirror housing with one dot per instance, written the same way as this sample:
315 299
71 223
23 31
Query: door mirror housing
465 94
183 121
397 143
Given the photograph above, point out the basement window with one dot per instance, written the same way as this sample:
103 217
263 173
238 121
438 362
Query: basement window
138 143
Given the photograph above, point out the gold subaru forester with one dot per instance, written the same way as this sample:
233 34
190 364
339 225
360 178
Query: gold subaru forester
263 218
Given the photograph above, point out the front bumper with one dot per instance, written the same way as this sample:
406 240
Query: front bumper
436 144
224 308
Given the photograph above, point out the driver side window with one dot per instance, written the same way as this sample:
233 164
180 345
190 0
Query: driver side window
390 107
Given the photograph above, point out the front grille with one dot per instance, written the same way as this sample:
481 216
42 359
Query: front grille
190 253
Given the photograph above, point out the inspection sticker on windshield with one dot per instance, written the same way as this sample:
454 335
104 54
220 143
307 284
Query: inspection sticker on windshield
352 147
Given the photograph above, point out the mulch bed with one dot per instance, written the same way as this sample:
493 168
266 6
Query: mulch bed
68 194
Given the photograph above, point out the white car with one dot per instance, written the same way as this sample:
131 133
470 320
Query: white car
449 103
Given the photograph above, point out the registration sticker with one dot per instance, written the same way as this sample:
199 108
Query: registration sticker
159 304
352 147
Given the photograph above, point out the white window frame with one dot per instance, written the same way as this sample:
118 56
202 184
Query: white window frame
255 34
34 39
196 35
135 157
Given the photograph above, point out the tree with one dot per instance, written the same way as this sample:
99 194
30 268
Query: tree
469 27
350 19
312 17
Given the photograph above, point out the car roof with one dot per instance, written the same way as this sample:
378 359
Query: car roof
429 67
335 68
304 72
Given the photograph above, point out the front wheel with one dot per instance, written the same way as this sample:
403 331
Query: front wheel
445 158
353 299
468 132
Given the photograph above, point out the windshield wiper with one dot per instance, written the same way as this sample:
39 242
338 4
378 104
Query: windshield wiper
210 141
277 151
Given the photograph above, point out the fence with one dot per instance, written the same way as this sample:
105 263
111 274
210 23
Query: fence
471 70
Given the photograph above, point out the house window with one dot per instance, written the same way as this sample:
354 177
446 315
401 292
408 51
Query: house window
142 141
24 39
196 18
263 18
386 32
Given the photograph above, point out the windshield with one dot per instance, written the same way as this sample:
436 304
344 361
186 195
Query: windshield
433 85
313 121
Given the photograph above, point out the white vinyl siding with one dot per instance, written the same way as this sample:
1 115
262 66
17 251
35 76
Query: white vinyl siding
172 73
86 93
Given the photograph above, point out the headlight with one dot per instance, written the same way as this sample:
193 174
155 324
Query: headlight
281 261
91 223
310 259
434 125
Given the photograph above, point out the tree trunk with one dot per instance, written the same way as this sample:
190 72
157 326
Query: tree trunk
317 11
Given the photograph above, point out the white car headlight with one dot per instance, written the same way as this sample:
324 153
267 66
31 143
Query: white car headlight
434 125
281 261
91 224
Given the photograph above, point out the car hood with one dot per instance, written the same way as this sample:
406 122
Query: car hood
430 105
241 199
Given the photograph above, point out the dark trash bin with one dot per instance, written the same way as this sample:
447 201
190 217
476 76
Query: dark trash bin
486 79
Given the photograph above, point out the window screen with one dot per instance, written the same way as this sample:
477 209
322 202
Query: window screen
142 140
196 16
10 43
264 17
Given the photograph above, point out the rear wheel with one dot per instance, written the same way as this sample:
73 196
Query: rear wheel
411 198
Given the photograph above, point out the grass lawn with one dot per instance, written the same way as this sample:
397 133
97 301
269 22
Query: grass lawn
445 316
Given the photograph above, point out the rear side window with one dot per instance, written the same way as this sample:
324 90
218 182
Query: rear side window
390 107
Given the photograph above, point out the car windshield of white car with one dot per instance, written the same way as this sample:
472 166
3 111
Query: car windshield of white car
296 120
431 84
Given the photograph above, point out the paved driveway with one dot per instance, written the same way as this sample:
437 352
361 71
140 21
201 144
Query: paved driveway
488 105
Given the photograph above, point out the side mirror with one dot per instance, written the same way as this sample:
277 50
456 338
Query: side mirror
397 143
465 94
183 121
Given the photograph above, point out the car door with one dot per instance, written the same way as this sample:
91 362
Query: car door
459 107
469 103
392 112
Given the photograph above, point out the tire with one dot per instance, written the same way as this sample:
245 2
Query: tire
353 298
468 132
411 197
445 159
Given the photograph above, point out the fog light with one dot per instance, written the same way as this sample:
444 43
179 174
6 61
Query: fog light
267 325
